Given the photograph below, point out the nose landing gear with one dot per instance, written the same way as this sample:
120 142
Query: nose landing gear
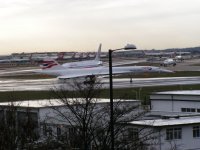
89 80
131 79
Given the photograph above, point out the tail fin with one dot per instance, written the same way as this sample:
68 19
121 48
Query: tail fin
30 57
97 58
61 55
50 64
144 54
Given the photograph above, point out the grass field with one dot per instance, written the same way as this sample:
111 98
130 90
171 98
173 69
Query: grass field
126 93
156 75
28 76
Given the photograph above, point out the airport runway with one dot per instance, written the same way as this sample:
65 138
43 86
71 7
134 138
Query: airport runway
47 84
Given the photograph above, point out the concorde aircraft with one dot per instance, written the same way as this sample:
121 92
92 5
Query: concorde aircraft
51 67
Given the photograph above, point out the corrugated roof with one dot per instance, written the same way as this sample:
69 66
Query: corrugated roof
168 122
181 92
53 102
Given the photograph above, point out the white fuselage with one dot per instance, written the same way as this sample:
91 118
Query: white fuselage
169 61
179 58
83 64
98 71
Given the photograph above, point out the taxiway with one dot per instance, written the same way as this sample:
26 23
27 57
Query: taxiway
47 84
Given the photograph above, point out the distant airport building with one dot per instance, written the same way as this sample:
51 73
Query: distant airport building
135 54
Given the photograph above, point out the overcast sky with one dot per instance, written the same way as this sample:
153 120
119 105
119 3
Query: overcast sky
80 25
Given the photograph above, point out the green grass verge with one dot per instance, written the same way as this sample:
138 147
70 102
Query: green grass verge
156 75
195 65
143 93
24 95
126 93
28 76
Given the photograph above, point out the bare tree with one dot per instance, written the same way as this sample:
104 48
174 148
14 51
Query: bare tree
8 129
174 145
18 126
80 112
89 117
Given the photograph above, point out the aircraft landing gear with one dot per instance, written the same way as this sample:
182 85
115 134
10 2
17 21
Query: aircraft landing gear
131 80
90 79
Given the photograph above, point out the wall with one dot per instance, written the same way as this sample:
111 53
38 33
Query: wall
174 103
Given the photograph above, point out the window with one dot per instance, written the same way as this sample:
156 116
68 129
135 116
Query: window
44 130
2 119
132 133
183 109
49 131
58 131
196 131
188 109
173 133
198 110
72 131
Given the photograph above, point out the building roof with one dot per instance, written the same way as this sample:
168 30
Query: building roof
181 92
168 122
54 102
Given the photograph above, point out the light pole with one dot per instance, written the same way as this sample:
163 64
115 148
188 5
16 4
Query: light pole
127 47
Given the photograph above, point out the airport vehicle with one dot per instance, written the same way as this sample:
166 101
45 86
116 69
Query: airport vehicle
51 67
168 61
87 63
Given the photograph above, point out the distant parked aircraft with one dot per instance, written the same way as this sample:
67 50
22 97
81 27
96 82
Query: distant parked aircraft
179 58
168 61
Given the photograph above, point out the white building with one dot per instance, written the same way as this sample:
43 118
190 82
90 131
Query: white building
172 124
172 133
46 114
174 119
176 101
